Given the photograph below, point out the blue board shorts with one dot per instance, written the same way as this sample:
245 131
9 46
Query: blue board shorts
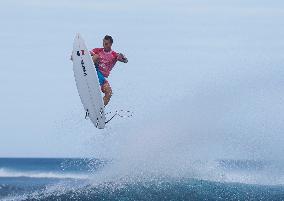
101 77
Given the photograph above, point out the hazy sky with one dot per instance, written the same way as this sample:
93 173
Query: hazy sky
203 76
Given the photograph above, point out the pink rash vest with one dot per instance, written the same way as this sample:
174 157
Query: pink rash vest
107 60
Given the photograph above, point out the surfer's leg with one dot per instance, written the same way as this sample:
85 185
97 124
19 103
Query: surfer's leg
106 89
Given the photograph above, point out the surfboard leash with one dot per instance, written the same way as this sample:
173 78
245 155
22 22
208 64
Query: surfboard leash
127 114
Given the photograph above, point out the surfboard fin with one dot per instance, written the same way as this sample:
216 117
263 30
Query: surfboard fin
87 114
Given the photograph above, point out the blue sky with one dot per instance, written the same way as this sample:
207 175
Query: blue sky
201 76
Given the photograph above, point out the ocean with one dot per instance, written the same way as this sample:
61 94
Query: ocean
86 179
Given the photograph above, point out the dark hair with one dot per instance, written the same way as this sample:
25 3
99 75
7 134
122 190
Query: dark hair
107 37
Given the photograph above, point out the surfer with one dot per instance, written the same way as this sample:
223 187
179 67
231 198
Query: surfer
105 59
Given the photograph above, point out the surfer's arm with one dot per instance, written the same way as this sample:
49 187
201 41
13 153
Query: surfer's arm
95 56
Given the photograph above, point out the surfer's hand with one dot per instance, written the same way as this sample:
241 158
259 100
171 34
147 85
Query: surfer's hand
71 58
122 58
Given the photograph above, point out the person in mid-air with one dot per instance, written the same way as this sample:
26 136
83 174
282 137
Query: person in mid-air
105 59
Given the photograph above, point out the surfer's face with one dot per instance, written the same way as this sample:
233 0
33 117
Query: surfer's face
107 45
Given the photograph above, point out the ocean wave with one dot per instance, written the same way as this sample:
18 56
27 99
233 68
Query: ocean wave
155 189
202 180
39 174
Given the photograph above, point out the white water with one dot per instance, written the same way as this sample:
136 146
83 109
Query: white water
4 172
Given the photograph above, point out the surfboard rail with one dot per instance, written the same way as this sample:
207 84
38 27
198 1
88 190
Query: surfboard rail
87 82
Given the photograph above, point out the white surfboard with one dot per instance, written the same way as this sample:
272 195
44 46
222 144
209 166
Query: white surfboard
87 82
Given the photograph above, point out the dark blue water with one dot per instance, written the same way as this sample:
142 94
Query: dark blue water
77 179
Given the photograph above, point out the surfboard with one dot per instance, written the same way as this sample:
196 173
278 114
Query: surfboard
87 83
